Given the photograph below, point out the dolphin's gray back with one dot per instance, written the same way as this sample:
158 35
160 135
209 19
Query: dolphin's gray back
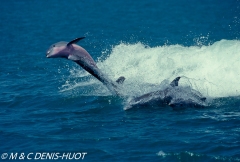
97 73
173 96
84 59
83 56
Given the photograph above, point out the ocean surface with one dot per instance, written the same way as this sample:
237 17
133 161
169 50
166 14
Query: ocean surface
53 106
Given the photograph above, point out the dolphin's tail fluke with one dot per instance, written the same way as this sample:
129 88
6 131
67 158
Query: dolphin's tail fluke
120 80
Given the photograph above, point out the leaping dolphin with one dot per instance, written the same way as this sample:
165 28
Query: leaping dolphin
172 95
71 51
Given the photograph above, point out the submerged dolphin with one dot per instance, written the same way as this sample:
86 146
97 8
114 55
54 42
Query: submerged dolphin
71 51
172 95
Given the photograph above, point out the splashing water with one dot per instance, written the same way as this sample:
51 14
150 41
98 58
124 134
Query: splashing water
212 70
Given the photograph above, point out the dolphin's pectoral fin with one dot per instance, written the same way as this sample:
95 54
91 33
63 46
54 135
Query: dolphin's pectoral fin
203 99
175 82
73 58
75 41
120 80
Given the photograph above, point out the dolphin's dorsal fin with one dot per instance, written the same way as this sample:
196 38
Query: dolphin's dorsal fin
120 80
174 83
75 41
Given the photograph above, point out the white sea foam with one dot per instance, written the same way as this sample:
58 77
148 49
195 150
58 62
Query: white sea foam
214 70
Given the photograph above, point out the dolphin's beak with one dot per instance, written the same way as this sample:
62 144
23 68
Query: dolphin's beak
47 55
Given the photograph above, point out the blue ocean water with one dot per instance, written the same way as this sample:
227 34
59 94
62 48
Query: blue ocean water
53 105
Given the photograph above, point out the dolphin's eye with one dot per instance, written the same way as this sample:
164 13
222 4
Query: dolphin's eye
54 45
